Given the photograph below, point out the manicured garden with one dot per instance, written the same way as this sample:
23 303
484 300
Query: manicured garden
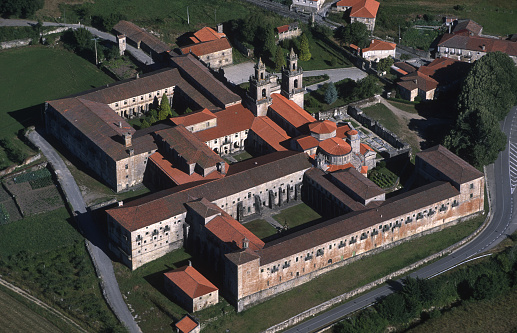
382 177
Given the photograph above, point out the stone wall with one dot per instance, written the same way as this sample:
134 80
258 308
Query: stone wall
27 161
338 299
400 146
15 43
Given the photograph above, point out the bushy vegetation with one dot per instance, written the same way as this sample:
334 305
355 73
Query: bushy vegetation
4 215
356 33
420 38
20 8
382 176
32 176
424 299
13 33
487 94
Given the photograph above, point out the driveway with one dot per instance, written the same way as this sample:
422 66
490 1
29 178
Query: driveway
95 238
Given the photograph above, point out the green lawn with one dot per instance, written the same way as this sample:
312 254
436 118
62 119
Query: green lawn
242 156
496 16
261 228
38 233
296 215
408 107
35 74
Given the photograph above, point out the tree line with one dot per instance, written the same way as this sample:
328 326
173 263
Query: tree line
487 94
421 299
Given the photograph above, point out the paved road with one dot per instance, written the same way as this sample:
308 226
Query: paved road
138 54
95 238
241 73
501 180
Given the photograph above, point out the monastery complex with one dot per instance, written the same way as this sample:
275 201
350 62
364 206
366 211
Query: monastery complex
202 198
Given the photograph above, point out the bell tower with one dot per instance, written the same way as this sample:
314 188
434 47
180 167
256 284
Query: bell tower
259 93
292 80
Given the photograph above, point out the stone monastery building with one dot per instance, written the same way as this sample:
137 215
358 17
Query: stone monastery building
203 198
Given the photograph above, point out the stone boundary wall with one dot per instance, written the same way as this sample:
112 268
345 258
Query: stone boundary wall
27 161
15 43
400 146
338 299
343 110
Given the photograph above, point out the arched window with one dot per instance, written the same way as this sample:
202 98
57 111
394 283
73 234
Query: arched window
262 76
296 83
263 92
294 66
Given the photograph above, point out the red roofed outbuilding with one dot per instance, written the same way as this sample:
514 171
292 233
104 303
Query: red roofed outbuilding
191 289
364 11
210 47
188 324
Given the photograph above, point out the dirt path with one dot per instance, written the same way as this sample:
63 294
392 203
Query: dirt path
33 299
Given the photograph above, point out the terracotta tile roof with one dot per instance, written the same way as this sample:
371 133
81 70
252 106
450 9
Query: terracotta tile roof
232 120
352 132
137 34
282 28
468 25
206 34
186 324
307 142
365 148
355 47
270 132
178 176
189 280
379 45
353 181
290 111
449 164
193 71
405 67
209 47
365 8
161 205
346 3
446 70
333 167
364 170
189 147
342 130
323 127
476 44
350 223
194 118
231 232
335 146
417 80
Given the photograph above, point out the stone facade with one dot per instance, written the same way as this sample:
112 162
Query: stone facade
136 106
311 6
217 59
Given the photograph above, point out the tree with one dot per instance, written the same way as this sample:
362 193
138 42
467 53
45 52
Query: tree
356 33
188 110
385 64
165 108
145 124
305 53
279 58
152 120
265 41
20 8
367 87
330 93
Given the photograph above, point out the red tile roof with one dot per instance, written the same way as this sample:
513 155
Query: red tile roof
186 324
333 167
417 80
307 142
335 146
230 231
232 120
365 8
346 3
378 45
282 28
342 130
194 118
189 280
206 34
290 111
178 176
270 132
204 48
323 127
189 147
352 132
364 170
365 148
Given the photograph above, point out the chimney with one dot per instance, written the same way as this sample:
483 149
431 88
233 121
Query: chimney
483 47
121 203
119 124
189 263
220 28
245 243
137 75
127 139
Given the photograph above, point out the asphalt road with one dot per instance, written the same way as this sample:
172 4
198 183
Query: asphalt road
502 179
95 238
138 54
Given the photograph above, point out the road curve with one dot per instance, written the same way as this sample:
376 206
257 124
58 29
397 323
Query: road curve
95 239
503 223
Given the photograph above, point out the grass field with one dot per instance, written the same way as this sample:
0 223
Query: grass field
381 113
21 315
33 75
411 108
497 17
38 233
261 228
297 215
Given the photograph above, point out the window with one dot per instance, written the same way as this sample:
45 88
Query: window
126 166
472 186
